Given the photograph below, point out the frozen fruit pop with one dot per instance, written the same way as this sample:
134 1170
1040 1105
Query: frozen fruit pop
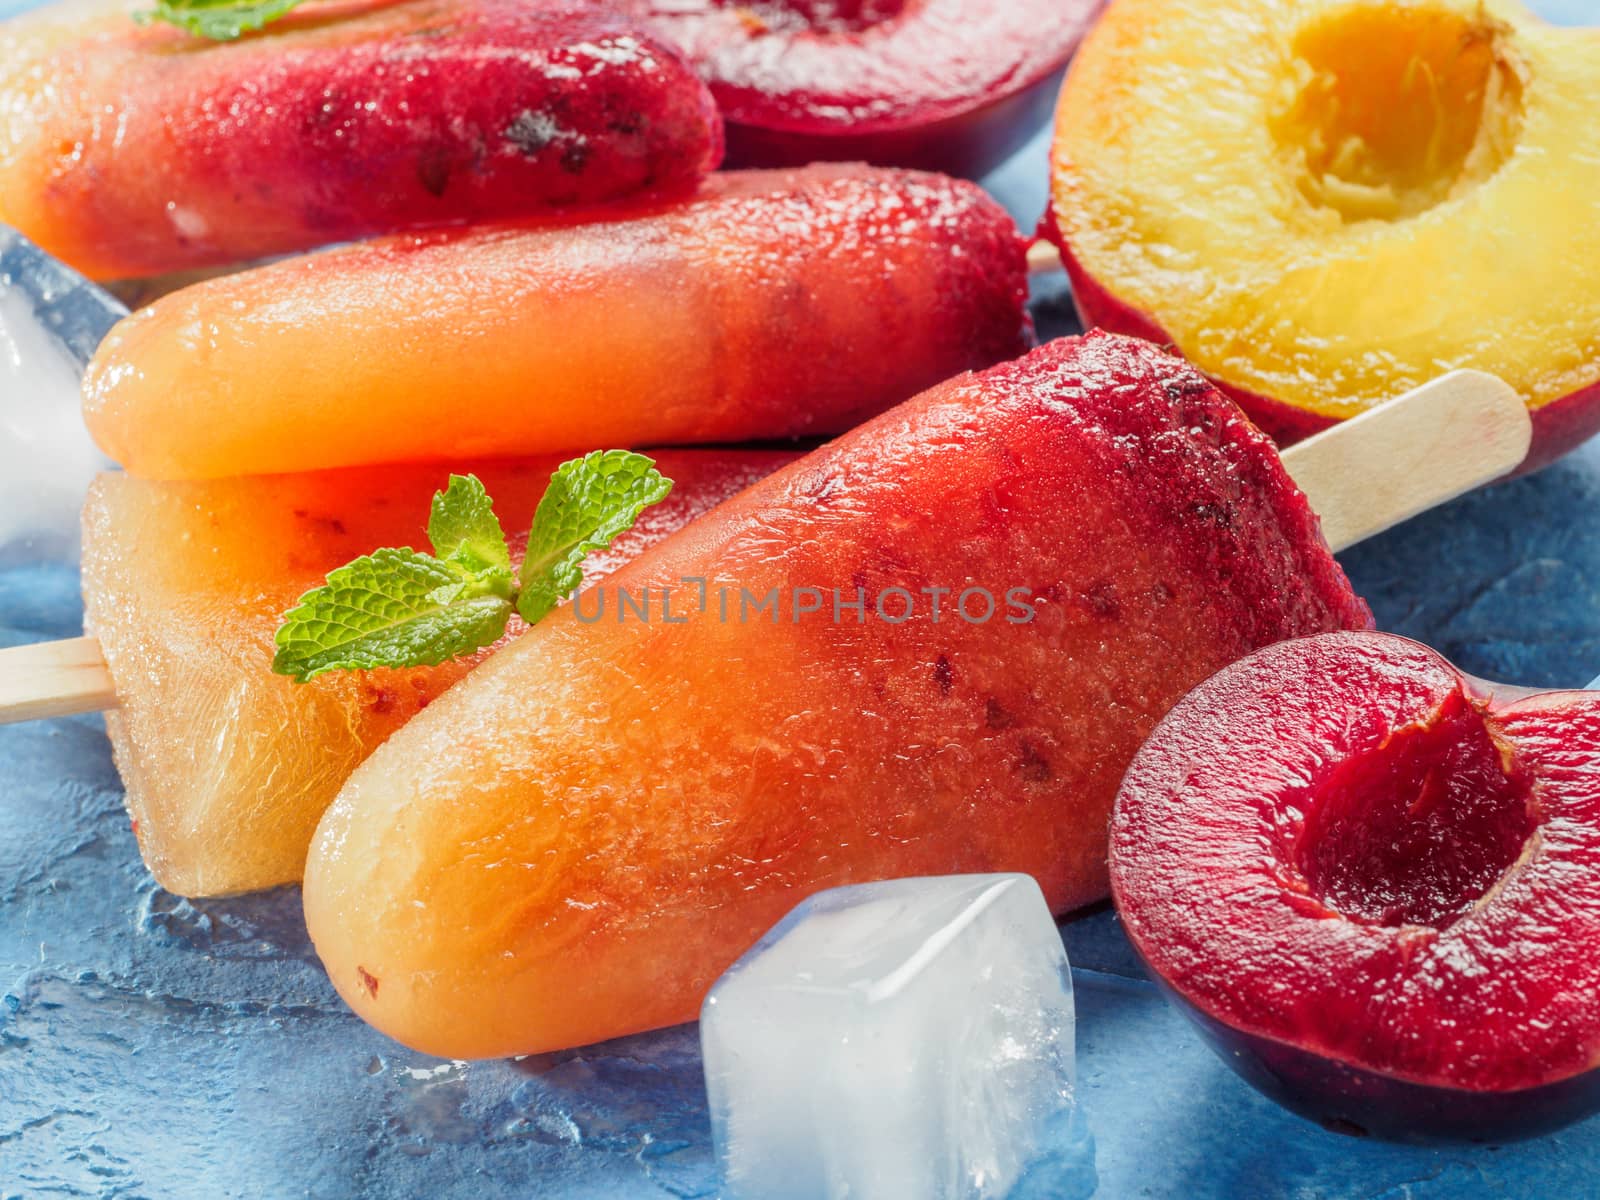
774 303
577 841
228 766
129 149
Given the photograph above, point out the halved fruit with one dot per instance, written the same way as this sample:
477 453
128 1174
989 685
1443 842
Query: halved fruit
1372 882
947 85
1323 203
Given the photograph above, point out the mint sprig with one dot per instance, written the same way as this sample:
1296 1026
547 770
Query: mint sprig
590 501
218 20
403 608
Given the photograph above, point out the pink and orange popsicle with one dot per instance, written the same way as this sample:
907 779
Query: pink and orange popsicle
227 766
575 842
129 149
773 303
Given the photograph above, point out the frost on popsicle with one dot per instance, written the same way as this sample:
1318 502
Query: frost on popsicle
907 1038
398 607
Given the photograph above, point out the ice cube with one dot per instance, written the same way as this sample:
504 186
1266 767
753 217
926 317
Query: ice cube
912 1038
51 319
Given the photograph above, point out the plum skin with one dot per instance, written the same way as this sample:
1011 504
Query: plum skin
1457 1019
1347 1099
969 145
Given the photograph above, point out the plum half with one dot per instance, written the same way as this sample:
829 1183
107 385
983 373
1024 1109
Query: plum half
944 85
1371 882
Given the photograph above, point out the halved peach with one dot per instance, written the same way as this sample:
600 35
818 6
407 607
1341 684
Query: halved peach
1323 203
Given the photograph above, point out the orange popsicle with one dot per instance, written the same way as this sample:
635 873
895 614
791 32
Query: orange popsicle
774 303
228 766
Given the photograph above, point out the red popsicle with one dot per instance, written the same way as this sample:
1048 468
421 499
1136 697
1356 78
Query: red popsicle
134 149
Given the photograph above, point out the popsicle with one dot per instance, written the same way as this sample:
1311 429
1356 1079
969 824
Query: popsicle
228 766
577 841
773 303
130 149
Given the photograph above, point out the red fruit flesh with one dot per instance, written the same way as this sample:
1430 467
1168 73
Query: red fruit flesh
137 149
1374 887
948 85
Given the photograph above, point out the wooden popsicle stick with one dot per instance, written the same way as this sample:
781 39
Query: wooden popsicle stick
1043 256
1417 451
54 679
1362 476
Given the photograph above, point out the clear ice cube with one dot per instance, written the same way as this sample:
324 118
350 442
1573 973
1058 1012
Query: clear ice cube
51 320
912 1038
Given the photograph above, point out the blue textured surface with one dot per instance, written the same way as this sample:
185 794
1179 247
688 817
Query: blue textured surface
150 1047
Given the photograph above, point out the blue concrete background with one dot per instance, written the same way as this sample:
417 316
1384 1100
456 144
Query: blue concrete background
154 1047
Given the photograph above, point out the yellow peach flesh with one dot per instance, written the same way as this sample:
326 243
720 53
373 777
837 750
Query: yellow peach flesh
1326 202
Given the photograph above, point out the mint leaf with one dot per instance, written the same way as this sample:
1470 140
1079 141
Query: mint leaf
465 531
589 502
388 609
218 20
400 608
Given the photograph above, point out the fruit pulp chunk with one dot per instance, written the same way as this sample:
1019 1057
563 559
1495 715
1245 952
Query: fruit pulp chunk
1347 818
906 1038
228 766
138 149
1371 170
614 810
773 304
